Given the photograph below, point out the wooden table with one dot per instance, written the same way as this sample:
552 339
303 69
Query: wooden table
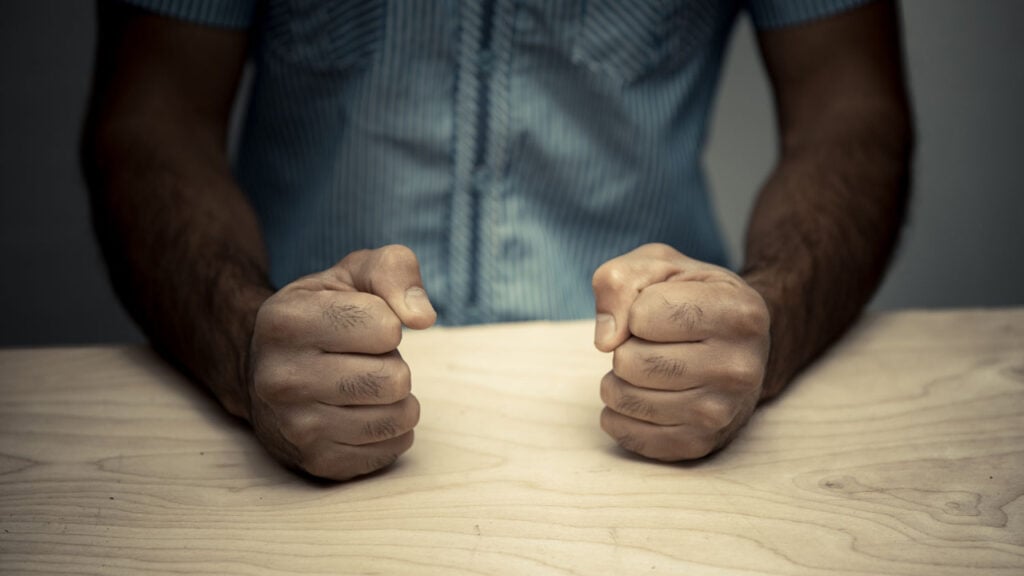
900 453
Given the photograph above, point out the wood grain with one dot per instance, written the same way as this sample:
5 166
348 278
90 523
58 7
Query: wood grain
900 453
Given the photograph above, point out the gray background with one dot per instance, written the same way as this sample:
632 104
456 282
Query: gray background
961 248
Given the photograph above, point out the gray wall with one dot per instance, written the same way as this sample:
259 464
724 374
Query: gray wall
53 288
962 247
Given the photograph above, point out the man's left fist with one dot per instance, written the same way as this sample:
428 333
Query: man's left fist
690 344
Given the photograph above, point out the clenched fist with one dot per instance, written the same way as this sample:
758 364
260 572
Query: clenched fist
329 392
690 344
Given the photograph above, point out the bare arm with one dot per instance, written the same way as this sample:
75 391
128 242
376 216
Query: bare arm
314 367
696 347
827 220
182 244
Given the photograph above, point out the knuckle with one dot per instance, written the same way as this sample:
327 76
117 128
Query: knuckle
390 330
404 442
413 414
276 321
750 316
607 389
353 257
716 413
597 280
659 250
744 372
622 362
393 257
277 382
299 429
279 391
396 253
403 377
397 383
611 276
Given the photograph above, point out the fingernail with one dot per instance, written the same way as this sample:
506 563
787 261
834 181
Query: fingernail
604 329
416 300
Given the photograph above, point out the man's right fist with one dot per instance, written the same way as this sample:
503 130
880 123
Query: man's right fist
328 391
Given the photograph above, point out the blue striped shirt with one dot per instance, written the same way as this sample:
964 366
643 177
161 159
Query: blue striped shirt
514 145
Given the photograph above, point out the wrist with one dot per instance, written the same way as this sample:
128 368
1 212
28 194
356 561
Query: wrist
215 347
237 400
784 357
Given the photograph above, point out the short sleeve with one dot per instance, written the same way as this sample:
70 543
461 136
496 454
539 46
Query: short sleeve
219 13
782 13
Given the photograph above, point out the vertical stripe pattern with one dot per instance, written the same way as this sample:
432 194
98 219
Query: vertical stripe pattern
221 13
514 145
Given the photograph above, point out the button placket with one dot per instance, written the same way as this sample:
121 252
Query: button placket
481 110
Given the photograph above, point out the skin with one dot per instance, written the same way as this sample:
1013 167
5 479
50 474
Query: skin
314 366
329 391
696 347
690 344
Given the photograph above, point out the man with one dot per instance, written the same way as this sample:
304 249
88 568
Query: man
492 154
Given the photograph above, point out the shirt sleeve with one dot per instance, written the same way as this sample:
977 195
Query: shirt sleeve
219 13
781 13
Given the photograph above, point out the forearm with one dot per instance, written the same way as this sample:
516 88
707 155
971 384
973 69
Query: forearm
182 245
822 232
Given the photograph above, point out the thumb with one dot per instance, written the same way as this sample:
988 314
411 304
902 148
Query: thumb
617 283
393 273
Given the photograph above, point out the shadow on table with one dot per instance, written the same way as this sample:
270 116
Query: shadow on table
710 460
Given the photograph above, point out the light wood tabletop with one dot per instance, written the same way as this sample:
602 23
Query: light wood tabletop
901 452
